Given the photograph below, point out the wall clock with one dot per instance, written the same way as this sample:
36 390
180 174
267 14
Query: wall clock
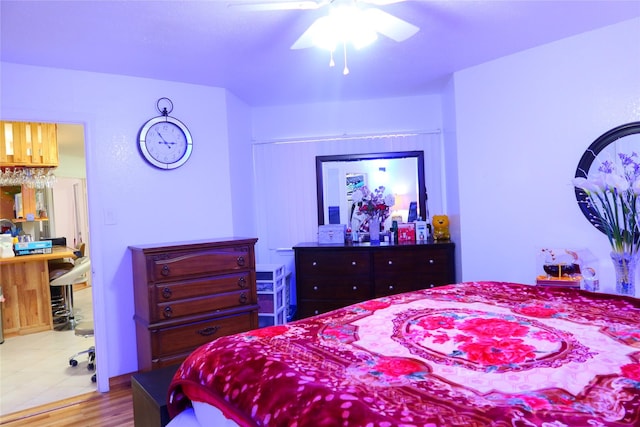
164 141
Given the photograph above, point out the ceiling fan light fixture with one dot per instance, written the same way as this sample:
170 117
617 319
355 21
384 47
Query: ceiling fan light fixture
345 24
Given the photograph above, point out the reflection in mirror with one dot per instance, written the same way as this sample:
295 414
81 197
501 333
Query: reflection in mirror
401 173
622 139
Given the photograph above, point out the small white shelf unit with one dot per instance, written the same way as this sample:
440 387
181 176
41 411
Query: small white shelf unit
273 294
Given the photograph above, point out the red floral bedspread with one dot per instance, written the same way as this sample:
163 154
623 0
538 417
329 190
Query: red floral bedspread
471 354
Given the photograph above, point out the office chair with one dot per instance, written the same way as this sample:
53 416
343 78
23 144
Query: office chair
65 279
85 330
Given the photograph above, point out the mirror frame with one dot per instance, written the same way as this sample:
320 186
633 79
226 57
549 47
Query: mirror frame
419 155
587 159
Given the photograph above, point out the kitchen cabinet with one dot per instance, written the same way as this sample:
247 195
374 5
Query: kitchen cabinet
28 144
334 276
32 203
189 293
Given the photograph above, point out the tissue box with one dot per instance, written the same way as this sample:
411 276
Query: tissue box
422 233
406 232
331 233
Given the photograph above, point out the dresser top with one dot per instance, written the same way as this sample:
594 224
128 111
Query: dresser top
367 245
194 244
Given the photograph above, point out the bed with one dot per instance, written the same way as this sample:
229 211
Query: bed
469 354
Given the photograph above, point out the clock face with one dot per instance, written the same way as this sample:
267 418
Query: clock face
165 142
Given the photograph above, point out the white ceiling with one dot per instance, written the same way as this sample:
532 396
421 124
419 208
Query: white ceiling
247 52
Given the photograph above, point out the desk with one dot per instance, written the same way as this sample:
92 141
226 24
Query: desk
25 285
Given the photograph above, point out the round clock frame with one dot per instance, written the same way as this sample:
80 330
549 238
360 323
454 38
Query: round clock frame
164 141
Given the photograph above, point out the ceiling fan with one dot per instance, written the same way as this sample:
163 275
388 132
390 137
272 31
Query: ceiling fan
351 21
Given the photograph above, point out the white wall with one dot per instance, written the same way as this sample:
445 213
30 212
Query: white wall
523 122
240 158
130 202
419 113
451 191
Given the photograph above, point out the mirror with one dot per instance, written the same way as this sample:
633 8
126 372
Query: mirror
401 173
621 139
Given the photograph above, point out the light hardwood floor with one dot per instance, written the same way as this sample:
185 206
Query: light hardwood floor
112 409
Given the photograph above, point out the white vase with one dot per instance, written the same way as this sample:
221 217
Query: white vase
624 265
374 230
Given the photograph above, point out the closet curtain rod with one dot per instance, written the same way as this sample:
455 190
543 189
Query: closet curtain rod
346 137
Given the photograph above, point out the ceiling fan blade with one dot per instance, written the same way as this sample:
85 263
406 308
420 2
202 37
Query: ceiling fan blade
306 40
255 5
381 2
388 25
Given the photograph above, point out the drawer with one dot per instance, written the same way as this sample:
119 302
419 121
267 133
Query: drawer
184 264
166 361
395 285
187 307
185 338
311 308
390 286
393 262
431 281
179 290
343 288
332 263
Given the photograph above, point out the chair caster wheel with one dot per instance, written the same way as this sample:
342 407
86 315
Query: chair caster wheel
73 362
93 378
91 366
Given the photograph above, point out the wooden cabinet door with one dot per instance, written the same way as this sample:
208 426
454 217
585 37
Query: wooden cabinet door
28 144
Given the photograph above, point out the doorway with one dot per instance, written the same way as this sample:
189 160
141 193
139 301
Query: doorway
69 219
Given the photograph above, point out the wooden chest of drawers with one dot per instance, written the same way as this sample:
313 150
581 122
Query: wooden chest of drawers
334 276
189 293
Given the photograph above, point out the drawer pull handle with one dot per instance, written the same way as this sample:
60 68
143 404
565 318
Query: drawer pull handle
315 288
431 285
316 312
390 262
355 288
165 270
242 283
353 263
240 261
168 312
314 263
431 261
390 287
166 293
243 298
209 331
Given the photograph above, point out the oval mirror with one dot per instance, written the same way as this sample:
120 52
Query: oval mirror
621 139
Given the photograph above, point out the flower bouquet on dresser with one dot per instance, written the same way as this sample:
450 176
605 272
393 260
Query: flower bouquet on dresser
612 195
370 210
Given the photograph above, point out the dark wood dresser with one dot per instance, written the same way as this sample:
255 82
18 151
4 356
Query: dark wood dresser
334 276
189 293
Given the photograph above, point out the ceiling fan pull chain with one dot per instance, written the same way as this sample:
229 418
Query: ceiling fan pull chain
332 63
346 69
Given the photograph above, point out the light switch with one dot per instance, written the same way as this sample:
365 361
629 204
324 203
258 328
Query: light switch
110 217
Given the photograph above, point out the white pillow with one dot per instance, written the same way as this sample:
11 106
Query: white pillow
208 415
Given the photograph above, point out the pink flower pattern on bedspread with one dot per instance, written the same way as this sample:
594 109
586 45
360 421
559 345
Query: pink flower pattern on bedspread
471 354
